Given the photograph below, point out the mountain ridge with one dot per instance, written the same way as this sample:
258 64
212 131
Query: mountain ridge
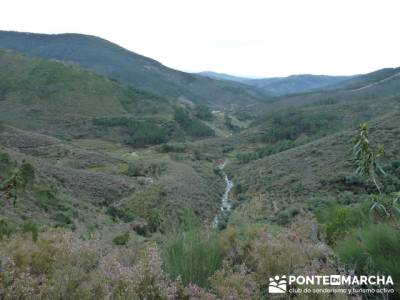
108 59
279 86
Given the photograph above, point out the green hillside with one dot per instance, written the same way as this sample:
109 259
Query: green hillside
105 58
98 183
304 176
36 92
366 79
67 101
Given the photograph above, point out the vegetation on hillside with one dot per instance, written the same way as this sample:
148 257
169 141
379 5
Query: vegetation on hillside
109 192
193 127
105 58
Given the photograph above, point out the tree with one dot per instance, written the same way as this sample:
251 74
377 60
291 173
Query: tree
366 156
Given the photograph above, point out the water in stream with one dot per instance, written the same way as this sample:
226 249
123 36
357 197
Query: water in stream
225 203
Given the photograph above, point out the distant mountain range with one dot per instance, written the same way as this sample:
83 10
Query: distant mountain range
108 59
214 89
283 85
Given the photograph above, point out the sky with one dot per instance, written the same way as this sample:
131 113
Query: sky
254 38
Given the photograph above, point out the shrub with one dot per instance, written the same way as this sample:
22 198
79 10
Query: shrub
372 250
238 238
194 255
287 215
46 200
290 251
6 229
27 173
347 198
62 220
122 239
149 205
117 213
32 228
62 266
340 220
238 188
135 169
283 218
6 165
235 283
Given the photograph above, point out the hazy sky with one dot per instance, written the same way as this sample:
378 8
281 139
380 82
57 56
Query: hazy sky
242 37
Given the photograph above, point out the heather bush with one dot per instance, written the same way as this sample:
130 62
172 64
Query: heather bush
61 266
234 283
294 250
238 239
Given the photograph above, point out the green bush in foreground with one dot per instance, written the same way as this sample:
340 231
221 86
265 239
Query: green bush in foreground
194 255
371 250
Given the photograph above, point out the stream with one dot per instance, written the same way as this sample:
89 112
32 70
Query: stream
225 203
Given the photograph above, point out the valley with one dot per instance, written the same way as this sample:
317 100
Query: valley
121 178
